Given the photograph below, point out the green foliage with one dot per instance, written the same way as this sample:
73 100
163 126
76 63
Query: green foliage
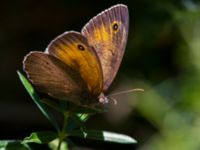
54 144
104 136
83 117
37 100
40 137
73 125
13 145
172 106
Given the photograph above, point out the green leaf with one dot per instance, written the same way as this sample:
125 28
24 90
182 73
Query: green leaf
52 104
104 136
40 137
83 117
54 145
4 143
76 121
37 100
12 145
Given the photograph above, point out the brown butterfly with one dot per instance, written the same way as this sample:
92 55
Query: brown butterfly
79 67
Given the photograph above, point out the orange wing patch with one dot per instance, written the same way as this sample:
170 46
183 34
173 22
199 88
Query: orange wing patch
72 49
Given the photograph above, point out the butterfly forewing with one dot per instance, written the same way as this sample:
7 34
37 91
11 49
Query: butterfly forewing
72 49
107 33
53 77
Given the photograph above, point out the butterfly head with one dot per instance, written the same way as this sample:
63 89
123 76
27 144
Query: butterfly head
103 99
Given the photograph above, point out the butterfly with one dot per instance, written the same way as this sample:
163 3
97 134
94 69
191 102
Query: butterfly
80 66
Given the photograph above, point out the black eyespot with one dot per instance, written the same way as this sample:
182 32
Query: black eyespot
81 47
115 26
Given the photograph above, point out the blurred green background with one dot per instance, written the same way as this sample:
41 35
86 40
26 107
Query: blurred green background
162 57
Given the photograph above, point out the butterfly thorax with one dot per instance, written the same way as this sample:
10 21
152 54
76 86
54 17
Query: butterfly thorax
103 99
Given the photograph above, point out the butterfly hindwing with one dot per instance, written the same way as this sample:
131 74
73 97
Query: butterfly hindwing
72 49
52 76
107 33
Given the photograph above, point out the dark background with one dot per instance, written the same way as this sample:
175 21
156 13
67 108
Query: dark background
162 56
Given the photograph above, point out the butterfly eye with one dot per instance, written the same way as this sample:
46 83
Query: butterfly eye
115 26
81 47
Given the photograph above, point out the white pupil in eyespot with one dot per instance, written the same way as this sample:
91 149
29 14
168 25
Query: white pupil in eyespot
115 26
80 47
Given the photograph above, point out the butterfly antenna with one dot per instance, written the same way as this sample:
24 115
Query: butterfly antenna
114 100
127 91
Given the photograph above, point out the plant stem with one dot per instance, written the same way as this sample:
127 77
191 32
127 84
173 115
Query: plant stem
62 132
59 144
